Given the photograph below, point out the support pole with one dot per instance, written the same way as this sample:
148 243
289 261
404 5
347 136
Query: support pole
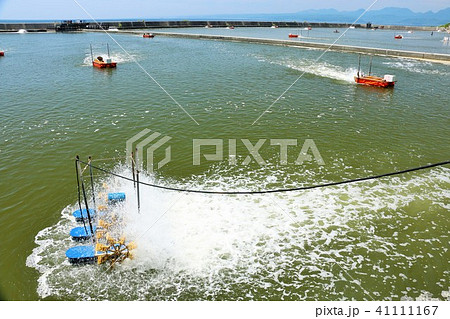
85 200
79 194
138 195
91 175
92 54
133 168
107 46
370 65
359 65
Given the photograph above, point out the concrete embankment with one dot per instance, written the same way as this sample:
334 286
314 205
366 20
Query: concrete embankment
30 27
130 25
435 57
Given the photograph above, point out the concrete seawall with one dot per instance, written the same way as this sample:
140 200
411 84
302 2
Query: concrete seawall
435 57
30 27
129 25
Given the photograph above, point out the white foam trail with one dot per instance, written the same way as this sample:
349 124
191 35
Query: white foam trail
322 69
416 67
49 241
199 246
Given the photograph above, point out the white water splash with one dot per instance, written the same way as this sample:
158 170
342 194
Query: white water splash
285 246
322 69
115 57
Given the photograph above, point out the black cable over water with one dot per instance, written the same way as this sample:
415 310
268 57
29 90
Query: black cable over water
275 190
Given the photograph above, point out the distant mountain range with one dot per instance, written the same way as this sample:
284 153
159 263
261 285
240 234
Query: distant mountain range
386 16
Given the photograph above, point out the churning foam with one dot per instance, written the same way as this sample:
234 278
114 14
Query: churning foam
302 245
322 69
118 57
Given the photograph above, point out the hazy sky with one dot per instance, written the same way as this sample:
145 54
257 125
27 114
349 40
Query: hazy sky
107 9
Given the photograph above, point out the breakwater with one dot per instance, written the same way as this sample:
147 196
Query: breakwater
129 25
30 27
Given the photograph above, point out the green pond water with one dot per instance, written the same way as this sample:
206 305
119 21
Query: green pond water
386 239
